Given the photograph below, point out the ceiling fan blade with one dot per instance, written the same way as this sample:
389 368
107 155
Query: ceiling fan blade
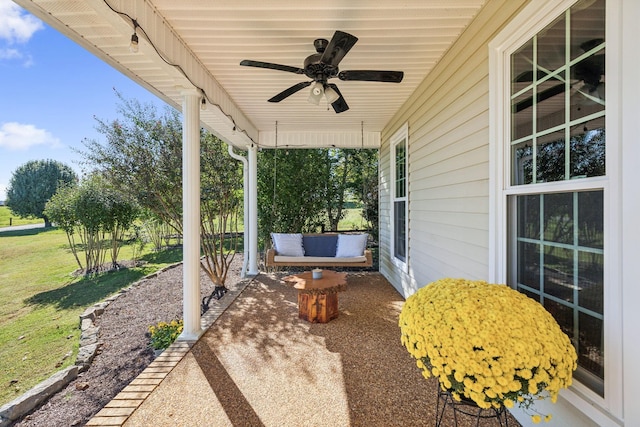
259 64
290 91
542 96
527 76
372 76
337 48
339 105
589 70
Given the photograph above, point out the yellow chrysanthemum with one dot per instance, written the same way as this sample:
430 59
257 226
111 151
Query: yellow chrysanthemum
486 342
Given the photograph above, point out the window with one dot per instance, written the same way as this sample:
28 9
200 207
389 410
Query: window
556 185
399 199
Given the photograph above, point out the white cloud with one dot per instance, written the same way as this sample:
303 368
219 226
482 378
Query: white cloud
16 25
19 136
3 192
9 53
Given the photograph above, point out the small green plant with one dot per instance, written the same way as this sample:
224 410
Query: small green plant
163 333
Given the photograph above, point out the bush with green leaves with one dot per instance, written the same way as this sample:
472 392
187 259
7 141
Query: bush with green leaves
163 334
98 215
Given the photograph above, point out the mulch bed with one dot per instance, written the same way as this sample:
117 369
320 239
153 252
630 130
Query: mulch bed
125 350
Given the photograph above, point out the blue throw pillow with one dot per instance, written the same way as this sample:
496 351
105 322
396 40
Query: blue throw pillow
321 245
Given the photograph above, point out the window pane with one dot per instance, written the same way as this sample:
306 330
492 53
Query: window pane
571 269
558 218
550 103
522 167
590 219
529 217
401 169
551 45
558 273
590 280
522 67
588 149
550 159
562 314
587 25
529 265
587 83
399 247
590 348
522 115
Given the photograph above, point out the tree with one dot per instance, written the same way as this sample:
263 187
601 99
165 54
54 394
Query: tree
61 209
292 186
143 153
98 214
221 200
339 167
33 184
363 184
304 190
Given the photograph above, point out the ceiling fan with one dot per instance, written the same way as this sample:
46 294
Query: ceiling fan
589 71
322 66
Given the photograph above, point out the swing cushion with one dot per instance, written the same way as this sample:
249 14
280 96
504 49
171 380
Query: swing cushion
320 245
351 245
318 250
288 244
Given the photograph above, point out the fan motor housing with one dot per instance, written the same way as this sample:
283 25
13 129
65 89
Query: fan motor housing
317 70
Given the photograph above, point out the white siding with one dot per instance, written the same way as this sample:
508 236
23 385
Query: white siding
448 119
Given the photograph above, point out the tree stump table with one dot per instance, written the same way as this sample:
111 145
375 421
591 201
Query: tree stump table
318 298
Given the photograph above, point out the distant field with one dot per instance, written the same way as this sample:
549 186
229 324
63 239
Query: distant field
7 217
352 220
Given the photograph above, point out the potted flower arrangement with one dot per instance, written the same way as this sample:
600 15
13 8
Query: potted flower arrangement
487 343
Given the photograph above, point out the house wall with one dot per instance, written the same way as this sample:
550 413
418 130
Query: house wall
448 119
449 233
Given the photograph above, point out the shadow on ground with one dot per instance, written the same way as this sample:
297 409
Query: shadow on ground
89 290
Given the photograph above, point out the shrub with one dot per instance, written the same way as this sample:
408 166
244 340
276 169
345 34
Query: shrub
163 333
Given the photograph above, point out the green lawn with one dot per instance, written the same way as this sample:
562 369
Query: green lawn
40 302
7 217
352 220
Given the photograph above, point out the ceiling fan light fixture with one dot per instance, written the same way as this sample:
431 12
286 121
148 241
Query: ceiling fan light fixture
316 93
331 95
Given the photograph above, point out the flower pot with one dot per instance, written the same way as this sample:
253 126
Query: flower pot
468 409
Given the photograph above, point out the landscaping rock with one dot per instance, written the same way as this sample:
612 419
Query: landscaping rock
85 356
89 336
82 386
86 323
38 394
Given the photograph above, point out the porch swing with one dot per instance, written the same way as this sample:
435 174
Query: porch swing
316 249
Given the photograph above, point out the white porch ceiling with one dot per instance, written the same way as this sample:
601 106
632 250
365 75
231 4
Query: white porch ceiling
208 39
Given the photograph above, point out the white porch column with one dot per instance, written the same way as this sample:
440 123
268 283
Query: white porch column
252 155
191 213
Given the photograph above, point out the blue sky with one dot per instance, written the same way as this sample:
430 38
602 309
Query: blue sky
50 91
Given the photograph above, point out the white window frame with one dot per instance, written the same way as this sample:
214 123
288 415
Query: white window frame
401 134
533 18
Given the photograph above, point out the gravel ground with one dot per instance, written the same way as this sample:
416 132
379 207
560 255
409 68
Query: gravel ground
125 350
259 365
